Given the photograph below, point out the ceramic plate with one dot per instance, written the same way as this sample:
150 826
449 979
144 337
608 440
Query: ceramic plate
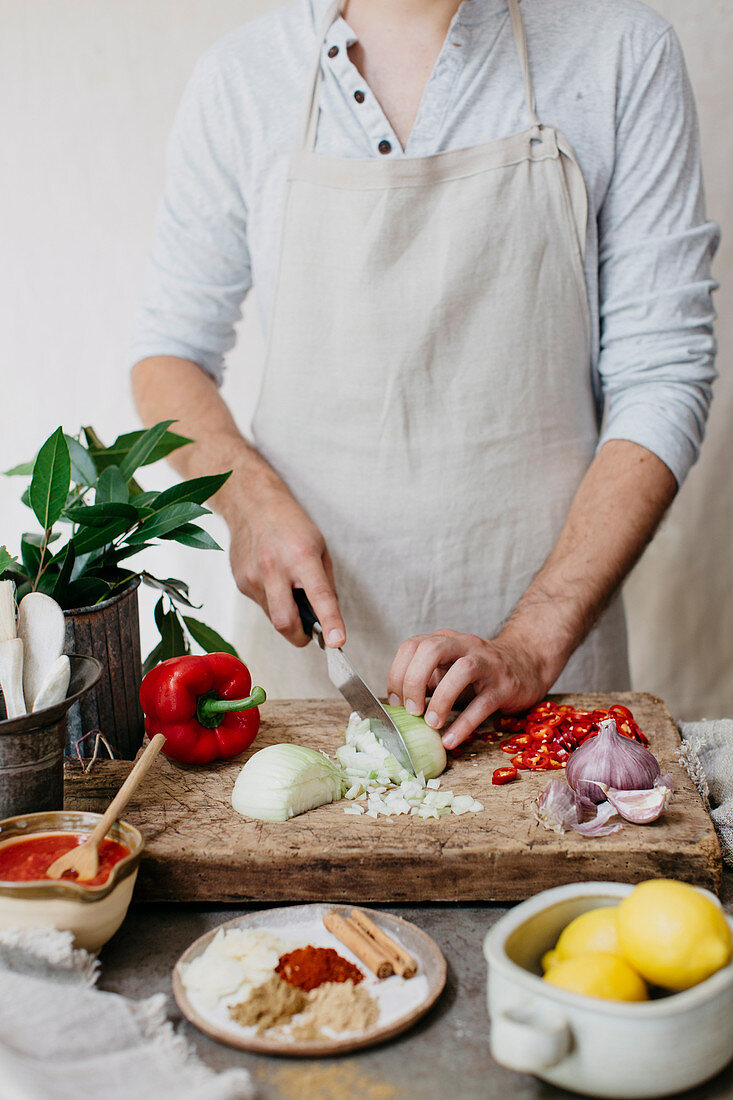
401 1002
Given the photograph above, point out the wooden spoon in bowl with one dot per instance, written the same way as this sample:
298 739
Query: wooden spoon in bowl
84 859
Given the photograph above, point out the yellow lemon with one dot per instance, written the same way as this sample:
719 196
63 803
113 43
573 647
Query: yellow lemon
674 935
595 930
549 959
598 974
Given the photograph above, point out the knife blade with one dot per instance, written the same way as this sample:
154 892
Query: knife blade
357 693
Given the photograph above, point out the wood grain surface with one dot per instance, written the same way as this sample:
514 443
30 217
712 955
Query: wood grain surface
199 849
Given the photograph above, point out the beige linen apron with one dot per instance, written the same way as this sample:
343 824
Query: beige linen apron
427 391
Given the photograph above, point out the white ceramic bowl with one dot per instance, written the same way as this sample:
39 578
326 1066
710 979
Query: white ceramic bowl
593 1046
92 913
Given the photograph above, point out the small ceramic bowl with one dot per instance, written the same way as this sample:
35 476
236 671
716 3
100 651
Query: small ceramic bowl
92 913
593 1046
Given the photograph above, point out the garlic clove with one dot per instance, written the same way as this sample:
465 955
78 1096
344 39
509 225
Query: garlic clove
600 825
640 807
558 807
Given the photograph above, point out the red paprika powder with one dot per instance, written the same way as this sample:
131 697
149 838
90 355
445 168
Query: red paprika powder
308 967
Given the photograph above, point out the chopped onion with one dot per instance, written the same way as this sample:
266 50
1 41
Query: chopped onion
281 781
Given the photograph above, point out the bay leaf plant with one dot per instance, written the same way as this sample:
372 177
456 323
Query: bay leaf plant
94 517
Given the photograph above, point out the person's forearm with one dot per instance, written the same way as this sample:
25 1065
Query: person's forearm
614 514
166 388
274 545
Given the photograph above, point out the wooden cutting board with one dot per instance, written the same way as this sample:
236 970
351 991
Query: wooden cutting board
199 849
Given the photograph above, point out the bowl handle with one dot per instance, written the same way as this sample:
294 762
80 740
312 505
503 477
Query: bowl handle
528 1040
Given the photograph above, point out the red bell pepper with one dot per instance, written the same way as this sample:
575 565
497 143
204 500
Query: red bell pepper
204 705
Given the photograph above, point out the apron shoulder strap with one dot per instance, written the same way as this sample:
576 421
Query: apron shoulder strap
306 133
520 38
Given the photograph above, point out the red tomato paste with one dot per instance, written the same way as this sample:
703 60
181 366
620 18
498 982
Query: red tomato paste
27 860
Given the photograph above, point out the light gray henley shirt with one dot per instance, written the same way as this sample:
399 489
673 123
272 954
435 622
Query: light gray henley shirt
608 73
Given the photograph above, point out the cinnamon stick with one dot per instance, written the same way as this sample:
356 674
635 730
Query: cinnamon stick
362 945
402 962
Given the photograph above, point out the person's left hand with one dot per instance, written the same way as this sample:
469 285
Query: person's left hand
501 674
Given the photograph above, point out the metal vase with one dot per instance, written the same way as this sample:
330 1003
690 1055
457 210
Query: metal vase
109 631
32 748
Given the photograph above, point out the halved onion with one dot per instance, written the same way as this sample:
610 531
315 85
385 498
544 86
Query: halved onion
281 781
425 744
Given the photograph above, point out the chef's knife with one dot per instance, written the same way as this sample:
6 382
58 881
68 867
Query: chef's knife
355 691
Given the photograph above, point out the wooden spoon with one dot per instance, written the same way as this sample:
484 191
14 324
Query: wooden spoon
85 858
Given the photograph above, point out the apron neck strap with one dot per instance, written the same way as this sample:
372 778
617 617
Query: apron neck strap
520 38
306 134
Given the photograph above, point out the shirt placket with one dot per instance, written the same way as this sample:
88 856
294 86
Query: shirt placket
366 109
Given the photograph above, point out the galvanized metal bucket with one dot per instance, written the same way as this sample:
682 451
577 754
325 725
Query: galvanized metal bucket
109 631
32 748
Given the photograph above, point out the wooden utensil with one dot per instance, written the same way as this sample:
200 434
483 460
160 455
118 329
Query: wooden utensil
85 859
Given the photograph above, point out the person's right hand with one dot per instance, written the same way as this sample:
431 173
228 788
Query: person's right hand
276 547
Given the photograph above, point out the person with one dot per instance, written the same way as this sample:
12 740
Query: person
477 239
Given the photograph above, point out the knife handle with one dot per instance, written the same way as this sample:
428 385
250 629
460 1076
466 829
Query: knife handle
307 615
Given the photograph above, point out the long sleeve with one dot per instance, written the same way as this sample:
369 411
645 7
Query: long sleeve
657 347
199 270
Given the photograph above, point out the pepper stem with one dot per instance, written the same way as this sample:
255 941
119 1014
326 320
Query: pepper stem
211 708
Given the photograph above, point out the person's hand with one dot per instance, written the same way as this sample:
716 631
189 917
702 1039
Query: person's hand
502 674
276 547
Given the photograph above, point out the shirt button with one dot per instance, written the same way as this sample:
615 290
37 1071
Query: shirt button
359 97
384 147
333 51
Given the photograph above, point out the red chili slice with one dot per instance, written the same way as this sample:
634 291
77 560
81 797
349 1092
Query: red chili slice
504 775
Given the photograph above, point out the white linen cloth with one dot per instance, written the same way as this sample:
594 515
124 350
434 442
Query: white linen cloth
609 74
707 756
61 1039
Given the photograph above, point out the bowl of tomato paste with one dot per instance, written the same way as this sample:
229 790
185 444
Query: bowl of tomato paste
92 910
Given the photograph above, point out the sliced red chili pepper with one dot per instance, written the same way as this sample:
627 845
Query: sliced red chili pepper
518 760
504 775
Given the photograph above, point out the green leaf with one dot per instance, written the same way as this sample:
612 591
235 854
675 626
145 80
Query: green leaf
46 583
176 590
172 639
123 551
7 559
51 480
143 448
189 534
207 637
26 496
66 558
197 489
165 520
85 592
99 515
83 470
122 446
111 487
94 538
143 500
31 555
24 469
36 539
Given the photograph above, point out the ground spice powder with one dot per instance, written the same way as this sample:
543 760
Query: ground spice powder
272 1003
338 1006
309 967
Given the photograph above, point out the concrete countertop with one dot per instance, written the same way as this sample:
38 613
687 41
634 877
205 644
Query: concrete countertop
445 1055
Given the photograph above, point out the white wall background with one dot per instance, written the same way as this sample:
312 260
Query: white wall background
88 90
